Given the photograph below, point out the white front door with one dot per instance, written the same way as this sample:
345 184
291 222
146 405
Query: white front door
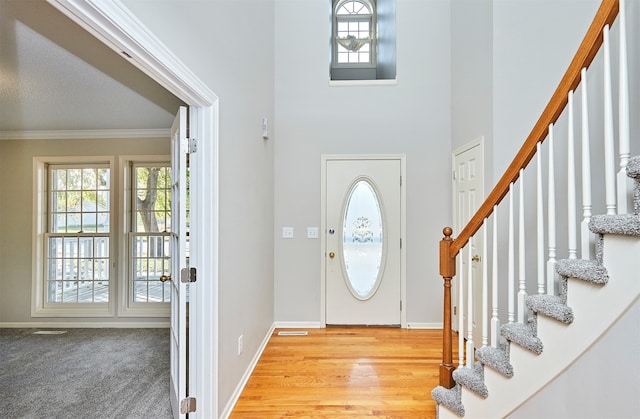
362 252
468 194
178 333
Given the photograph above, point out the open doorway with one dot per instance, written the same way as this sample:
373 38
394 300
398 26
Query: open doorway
112 24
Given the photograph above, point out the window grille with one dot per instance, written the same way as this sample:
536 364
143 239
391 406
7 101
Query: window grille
150 230
77 238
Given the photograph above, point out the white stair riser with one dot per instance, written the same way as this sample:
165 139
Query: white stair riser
563 343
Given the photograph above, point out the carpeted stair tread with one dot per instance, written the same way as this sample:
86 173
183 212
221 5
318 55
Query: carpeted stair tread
449 398
472 378
587 270
633 167
633 171
496 358
627 224
523 335
551 306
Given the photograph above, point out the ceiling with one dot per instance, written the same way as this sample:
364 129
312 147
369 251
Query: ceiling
55 76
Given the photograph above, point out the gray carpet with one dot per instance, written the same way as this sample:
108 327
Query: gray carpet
85 373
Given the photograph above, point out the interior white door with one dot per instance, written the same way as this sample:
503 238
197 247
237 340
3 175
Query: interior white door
363 232
178 322
468 195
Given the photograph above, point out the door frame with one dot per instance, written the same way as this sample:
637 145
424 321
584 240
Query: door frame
323 227
478 142
114 25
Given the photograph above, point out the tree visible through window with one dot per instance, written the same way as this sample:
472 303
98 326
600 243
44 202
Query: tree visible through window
151 226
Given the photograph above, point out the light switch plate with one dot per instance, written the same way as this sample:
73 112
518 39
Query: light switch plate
287 232
312 232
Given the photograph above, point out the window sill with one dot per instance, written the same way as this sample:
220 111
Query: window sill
73 310
146 310
381 82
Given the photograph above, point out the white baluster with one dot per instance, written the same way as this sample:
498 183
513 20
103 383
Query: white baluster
624 184
470 298
571 185
539 220
522 293
461 310
586 236
551 219
609 158
485 287
495 321
511 312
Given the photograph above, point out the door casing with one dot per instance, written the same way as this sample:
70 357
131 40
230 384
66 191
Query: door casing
116 27
323 226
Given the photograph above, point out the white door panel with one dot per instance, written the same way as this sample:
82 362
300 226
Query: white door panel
178 335
468 195
363 231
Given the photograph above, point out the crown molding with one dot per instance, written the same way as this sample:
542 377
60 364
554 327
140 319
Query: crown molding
84 134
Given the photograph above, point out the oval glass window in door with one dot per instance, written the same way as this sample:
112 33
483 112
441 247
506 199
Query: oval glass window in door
362 240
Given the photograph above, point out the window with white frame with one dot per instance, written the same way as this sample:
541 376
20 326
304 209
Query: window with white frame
354 33
363 40
77 241
101 236
150 230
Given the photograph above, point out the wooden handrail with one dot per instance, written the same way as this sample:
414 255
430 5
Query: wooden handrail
449 248
606 15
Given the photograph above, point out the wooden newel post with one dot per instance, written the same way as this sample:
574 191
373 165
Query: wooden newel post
447 271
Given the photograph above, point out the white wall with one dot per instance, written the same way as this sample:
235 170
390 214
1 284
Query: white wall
505 67
534 42
314 118
472 75
229 46
593 387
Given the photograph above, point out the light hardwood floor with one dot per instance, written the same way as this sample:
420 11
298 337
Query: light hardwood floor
348 372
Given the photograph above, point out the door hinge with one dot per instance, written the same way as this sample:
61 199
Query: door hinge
400 180
188 275
400 305
400 242
193 145
455 310
454 174
187 405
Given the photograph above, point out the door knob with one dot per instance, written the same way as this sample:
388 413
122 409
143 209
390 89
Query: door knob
475 258
332 255
165 278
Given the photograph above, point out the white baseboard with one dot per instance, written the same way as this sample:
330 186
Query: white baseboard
247 374
84 325
298 325
419 325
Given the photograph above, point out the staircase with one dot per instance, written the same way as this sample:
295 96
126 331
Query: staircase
532 337
595 293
